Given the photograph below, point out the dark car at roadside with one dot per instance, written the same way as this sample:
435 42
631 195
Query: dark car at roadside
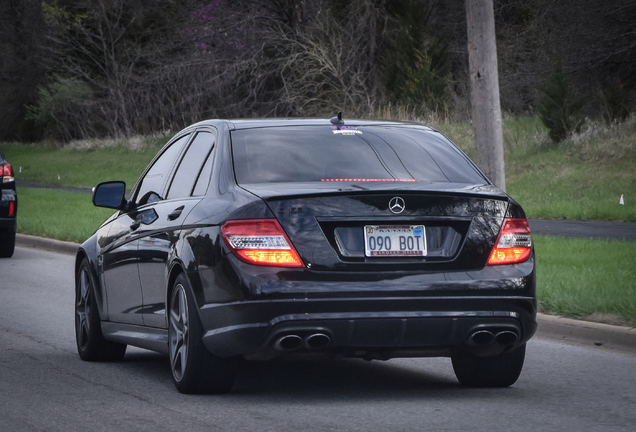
255 239
8 208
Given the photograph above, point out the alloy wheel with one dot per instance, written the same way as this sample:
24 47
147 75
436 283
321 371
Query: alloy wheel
179 332
83 310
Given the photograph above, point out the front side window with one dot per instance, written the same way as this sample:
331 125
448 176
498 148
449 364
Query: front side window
154 181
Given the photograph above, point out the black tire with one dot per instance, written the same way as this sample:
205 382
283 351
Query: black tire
501 370
91 345
7 245
194 368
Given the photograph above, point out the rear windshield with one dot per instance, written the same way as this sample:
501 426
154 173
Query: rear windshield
347 154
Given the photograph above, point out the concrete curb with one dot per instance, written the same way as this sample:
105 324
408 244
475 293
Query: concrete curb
47 244
566 330
586 333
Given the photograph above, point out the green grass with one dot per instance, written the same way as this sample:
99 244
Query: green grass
580 278
82 163
582 177
58 214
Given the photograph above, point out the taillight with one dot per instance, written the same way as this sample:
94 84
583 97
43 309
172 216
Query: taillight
11 208
261 242
514 243
6 172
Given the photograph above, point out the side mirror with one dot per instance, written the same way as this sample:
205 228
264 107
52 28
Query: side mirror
110 194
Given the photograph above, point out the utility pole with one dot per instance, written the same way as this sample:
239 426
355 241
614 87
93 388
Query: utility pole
484 85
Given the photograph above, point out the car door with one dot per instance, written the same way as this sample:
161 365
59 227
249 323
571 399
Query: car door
120 273
159 239
120 248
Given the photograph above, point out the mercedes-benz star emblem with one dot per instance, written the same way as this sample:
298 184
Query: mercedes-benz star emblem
396 205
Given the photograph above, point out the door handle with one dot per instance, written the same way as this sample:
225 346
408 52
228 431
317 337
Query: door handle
175 213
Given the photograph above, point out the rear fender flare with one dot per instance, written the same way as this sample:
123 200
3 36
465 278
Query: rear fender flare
89 250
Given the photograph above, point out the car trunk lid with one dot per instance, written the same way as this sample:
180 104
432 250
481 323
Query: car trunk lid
326 223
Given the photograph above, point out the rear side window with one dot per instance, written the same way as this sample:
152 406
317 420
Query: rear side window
203 181
353 155
191 165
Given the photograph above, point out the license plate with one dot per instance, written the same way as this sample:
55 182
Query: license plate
394 240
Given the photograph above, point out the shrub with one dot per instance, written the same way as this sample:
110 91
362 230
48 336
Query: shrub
62 108
558 106
617 102
416 61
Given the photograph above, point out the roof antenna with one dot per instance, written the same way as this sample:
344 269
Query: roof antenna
337 120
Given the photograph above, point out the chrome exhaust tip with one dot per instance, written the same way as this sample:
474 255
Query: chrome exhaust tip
317 341
481 337
288 343
506 337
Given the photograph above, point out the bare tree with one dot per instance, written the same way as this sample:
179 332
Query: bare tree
90 47
328 66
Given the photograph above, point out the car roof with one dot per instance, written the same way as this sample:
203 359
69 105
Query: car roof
236 124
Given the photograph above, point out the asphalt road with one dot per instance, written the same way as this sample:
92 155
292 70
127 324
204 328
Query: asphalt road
44 386
597 230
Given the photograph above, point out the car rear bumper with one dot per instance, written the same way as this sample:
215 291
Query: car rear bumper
366 314
7 198
375 328
8 225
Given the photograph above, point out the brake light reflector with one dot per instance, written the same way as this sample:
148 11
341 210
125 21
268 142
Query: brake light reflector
514 243
11 208
6 172
260 242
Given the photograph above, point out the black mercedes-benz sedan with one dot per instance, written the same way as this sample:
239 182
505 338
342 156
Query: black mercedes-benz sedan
260 238
8 208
